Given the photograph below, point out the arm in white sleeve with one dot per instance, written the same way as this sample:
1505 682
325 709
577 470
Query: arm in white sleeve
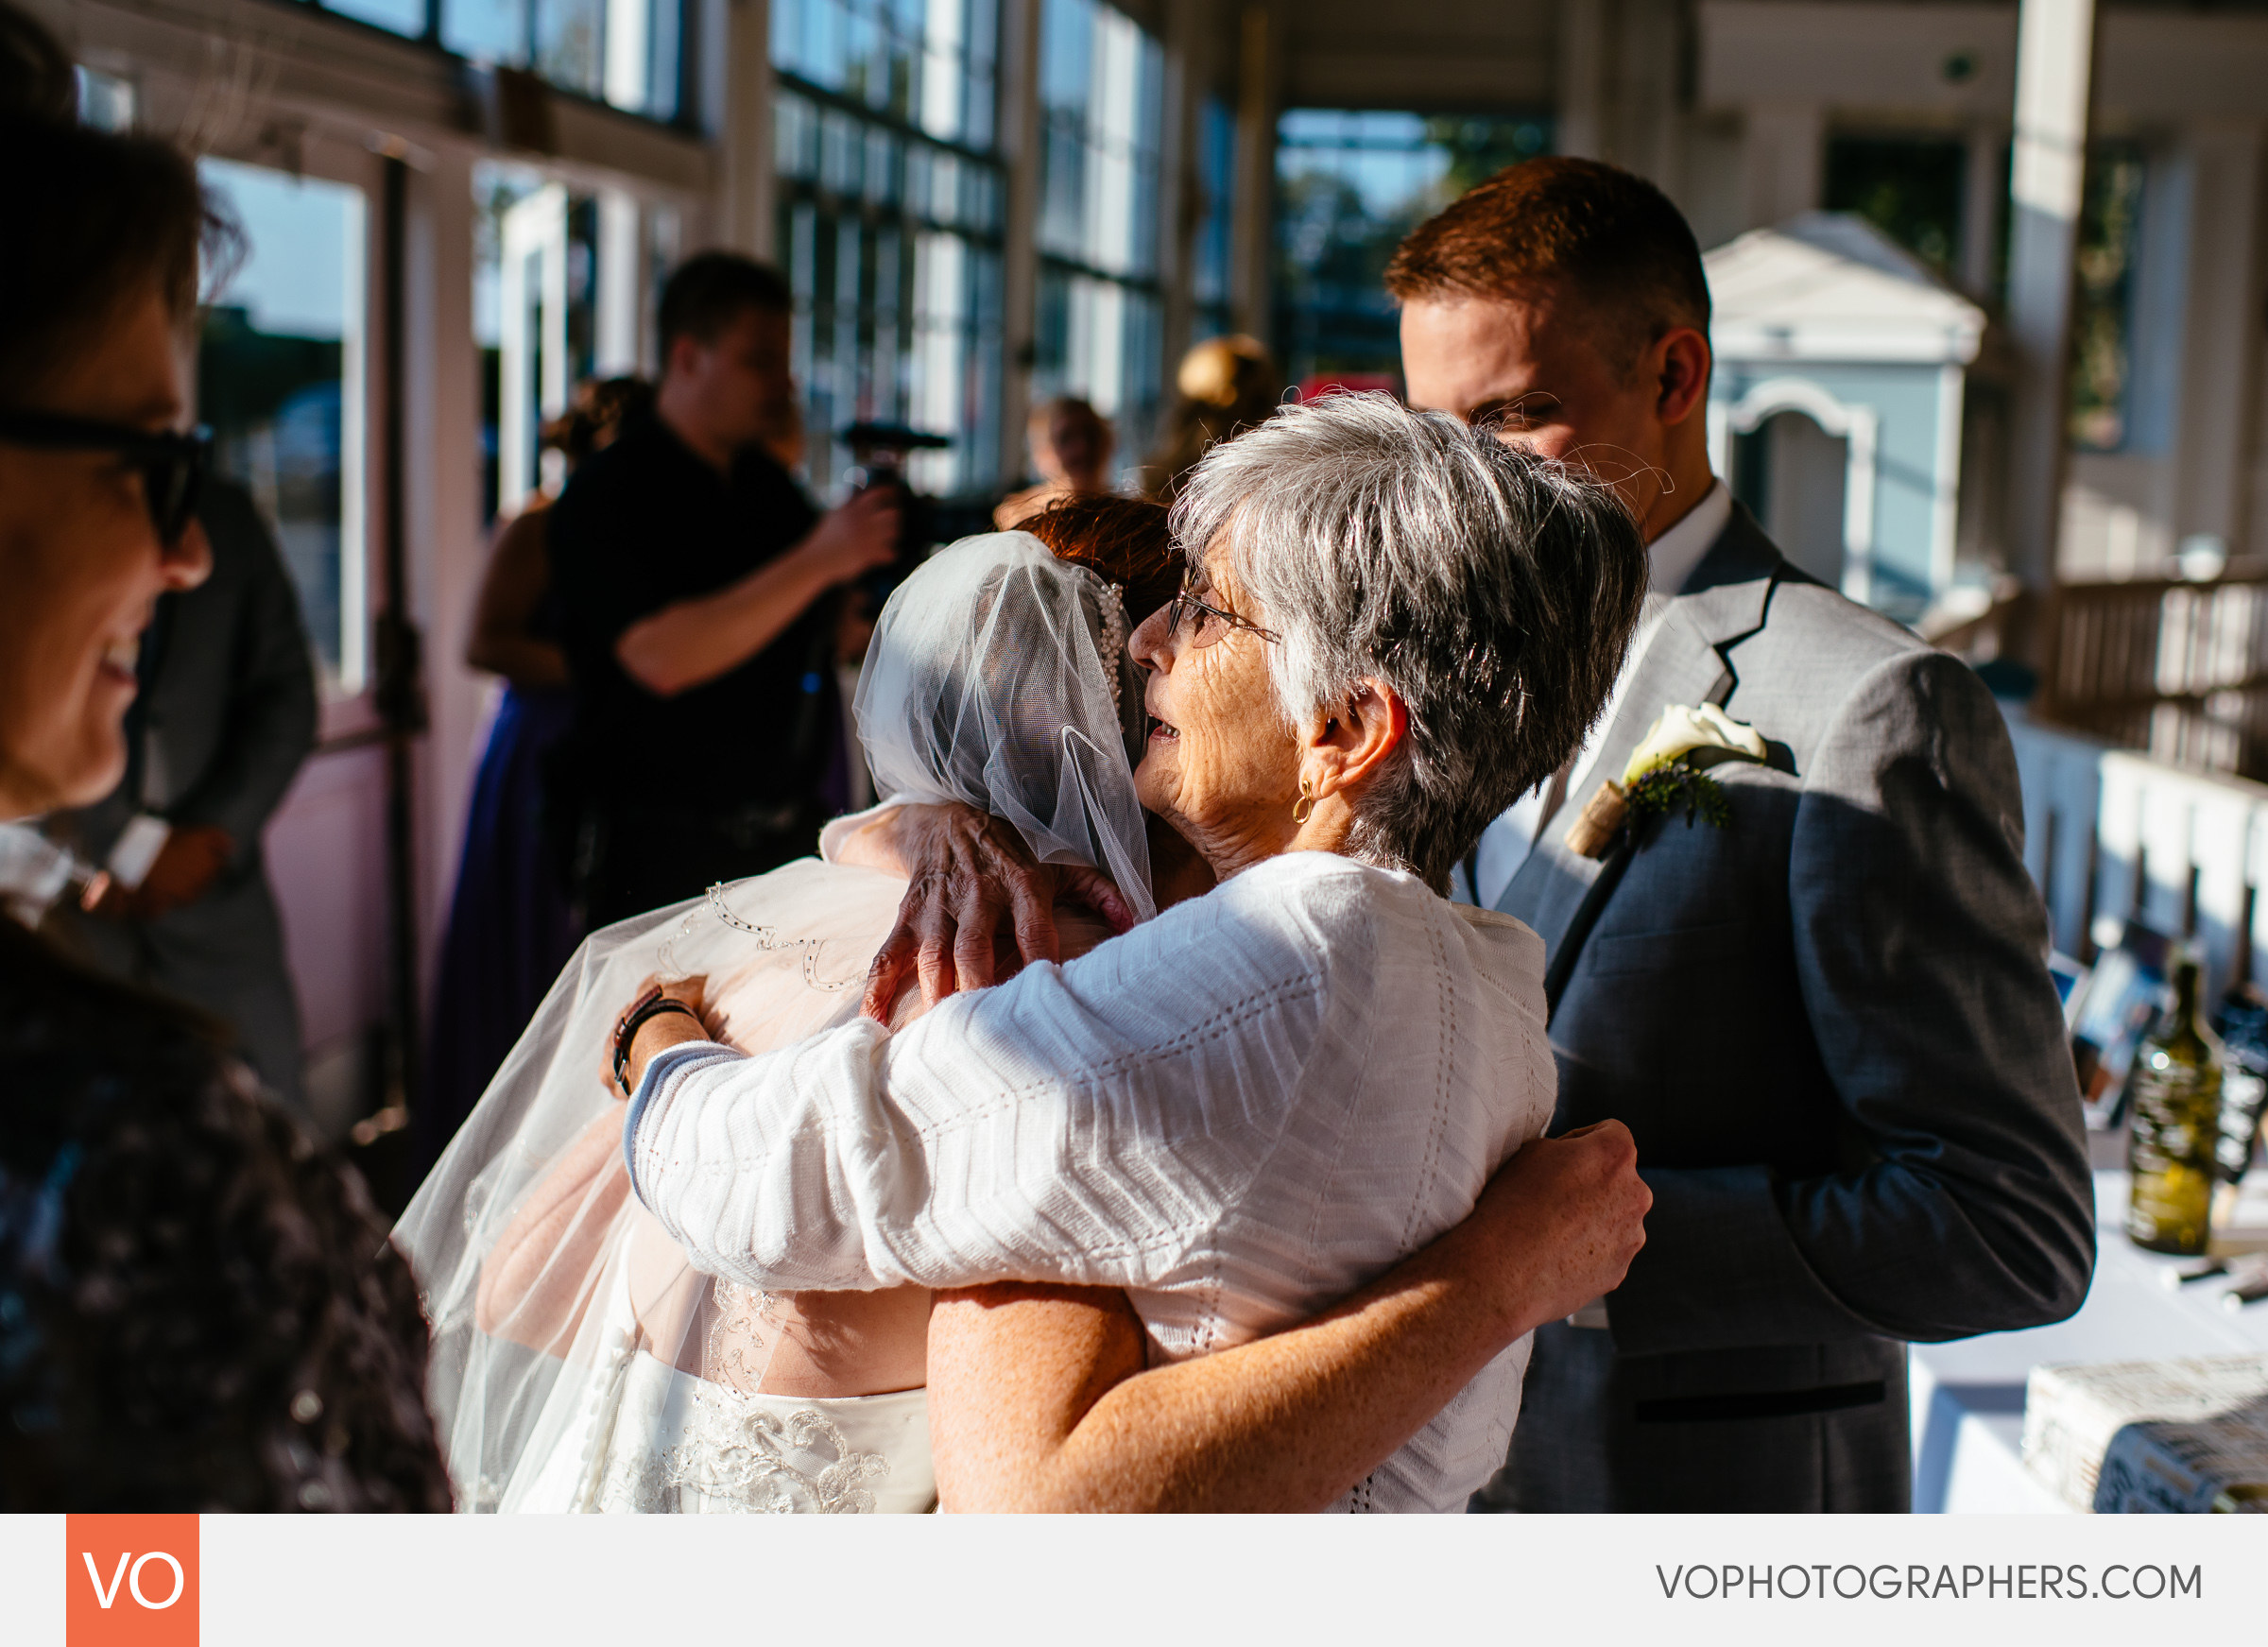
1089 1124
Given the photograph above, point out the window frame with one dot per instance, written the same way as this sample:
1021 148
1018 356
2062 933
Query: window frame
688 117
348 703
1134 434
793 191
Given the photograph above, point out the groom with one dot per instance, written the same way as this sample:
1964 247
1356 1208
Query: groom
1827 1020
1826 1023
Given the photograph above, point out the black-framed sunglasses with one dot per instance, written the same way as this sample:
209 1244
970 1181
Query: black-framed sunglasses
172 464
1196 624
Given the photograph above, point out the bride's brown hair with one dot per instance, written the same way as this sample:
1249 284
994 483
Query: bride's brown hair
1122 540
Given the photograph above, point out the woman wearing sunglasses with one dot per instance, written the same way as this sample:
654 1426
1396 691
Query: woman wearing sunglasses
196 1307
98 484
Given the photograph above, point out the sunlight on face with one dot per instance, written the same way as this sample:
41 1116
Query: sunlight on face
83 568
1532 364
1221 765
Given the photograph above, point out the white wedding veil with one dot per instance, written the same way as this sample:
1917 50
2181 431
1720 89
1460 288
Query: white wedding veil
997 677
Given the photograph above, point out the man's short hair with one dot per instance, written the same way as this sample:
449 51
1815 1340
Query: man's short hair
1600 236
711 290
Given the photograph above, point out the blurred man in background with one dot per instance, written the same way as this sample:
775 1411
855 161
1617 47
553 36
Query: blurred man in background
694 579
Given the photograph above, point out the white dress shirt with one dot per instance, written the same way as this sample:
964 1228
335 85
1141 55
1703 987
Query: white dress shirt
1671 558
1239 1112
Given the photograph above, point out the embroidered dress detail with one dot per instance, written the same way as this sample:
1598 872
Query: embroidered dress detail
743 1456
767 938
683 1445
738 1345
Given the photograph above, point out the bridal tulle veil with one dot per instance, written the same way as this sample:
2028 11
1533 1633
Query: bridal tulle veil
998 676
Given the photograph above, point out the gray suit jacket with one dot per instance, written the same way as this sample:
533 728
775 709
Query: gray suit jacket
226 714
1829 1028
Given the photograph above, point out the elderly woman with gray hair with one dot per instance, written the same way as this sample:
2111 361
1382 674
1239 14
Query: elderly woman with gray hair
1246 1109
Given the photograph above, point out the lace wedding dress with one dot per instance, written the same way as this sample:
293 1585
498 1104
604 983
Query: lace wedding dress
655 1440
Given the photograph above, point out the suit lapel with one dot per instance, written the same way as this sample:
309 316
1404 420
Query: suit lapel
1722 605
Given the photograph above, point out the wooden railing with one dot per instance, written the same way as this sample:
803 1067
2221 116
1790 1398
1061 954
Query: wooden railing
2176 669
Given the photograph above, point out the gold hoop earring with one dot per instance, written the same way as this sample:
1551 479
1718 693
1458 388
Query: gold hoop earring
1305 808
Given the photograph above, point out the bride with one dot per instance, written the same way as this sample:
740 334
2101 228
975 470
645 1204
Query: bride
580 1363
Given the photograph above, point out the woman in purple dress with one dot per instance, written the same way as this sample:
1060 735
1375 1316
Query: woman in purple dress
511 926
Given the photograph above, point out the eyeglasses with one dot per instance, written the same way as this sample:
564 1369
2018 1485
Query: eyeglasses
172 464
1196 625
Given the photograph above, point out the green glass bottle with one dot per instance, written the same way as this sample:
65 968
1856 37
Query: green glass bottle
2174 1100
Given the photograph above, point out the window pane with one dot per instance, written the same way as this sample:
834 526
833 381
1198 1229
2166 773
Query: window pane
488 31
279 376
927 63
543 309
402 16
1100 340
1216 178
665 52
642 47
1100 91
1102 100
106 102
888 237
1349 187
570 44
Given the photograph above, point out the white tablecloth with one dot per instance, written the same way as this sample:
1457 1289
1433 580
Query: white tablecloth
1969 1397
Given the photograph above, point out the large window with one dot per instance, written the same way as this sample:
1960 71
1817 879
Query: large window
891 221
629 53
564 284
1101 109
1209 253
1349 186
280 380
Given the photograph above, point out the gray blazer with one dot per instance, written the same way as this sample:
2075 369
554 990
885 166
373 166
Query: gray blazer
226 715
1829 1028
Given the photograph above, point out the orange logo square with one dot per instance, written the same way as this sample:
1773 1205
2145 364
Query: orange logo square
130 1580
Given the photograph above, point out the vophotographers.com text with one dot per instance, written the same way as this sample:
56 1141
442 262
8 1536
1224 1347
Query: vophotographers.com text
2022 1582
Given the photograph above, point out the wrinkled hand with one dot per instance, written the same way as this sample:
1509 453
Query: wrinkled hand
974 883
1564 1218
184 869
857 537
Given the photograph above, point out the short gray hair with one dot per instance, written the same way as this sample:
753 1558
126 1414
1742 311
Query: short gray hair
1493 590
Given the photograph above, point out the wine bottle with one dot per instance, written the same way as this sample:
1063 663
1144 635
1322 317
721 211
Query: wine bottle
2173 1104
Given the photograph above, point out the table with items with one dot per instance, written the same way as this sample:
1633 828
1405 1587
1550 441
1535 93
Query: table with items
2152 1397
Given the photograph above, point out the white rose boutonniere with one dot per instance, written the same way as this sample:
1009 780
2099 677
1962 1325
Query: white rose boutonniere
1667 770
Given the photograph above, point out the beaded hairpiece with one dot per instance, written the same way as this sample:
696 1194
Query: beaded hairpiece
1115 635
